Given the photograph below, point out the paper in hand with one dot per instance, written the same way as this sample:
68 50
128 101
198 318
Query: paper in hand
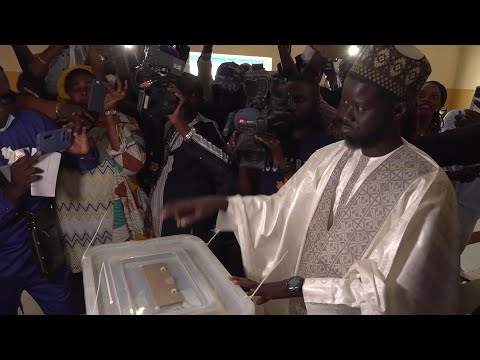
50 164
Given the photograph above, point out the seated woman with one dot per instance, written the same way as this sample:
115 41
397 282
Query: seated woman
106 197
430 101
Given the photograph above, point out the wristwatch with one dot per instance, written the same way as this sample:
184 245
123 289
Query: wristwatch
295 285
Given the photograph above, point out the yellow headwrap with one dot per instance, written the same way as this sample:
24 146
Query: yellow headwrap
63 97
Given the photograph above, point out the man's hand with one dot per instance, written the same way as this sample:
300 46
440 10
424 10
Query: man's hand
174 89
187 212
23 174
101 53
275 148
266 292
206 53
176 117
315 66
469 118
80 145
99 58
183 52
115 95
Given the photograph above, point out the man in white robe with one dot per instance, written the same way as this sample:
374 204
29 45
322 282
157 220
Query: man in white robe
369 224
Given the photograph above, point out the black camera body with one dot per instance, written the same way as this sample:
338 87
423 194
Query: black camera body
266 113
155 73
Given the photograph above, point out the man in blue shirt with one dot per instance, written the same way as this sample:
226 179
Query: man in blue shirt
18 269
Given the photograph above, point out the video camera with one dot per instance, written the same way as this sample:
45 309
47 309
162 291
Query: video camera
266 113
152 77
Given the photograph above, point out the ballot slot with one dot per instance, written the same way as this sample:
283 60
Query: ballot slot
135 292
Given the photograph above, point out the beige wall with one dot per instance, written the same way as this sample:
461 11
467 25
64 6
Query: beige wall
444 61
9 61
468 69
452 65
455 66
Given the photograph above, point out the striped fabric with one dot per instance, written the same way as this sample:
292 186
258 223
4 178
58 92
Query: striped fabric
83 198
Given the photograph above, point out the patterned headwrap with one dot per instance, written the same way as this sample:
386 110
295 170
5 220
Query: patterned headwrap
399 69
63 97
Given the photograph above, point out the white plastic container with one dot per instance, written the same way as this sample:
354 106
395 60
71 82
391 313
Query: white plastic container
123 289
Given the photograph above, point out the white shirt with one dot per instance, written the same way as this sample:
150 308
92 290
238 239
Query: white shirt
410 266
468 194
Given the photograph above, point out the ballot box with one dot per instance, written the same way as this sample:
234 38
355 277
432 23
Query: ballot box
175 275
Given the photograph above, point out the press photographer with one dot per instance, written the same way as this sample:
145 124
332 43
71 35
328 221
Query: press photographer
286 155
265 115
226 93
160 66
193 161
194 164
28 226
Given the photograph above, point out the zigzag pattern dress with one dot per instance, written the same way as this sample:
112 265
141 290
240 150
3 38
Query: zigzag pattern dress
83 198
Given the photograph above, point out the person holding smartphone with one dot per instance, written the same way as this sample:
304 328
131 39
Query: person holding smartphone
18 269
106 200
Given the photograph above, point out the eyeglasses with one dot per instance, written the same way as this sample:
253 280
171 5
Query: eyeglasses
8 99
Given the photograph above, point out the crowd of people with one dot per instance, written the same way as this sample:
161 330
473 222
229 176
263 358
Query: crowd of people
366 185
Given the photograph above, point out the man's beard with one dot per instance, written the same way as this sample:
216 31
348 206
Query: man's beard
352 144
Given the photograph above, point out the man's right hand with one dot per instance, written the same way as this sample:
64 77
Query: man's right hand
469 117
187 212
207 49
274 147
23 174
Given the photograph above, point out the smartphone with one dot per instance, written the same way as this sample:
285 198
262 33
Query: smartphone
54 140
97 97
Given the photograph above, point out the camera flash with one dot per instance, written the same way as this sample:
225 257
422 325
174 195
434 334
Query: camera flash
353 50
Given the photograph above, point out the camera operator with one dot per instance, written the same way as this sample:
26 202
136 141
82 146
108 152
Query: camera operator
194 162
289 154
312 64
227 93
